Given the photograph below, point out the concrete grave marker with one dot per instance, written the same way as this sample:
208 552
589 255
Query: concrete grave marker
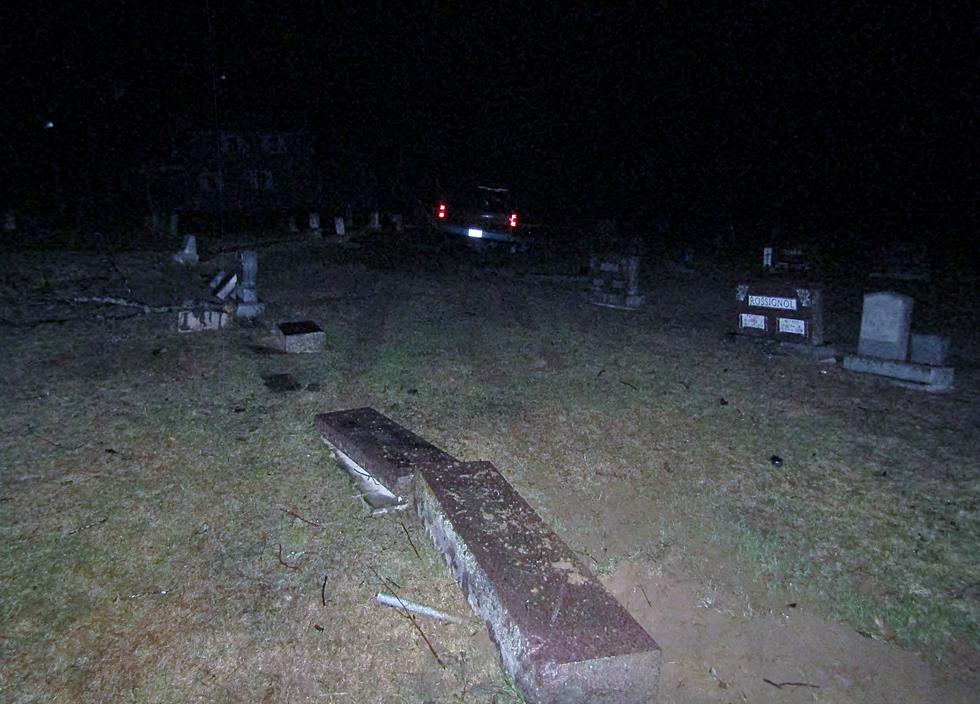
385 450
339 227
562 637
780 311
885 323
188 254
248 297
301 336
198 321
615 282
314 222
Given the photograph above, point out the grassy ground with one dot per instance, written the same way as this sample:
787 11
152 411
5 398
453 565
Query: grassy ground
174 531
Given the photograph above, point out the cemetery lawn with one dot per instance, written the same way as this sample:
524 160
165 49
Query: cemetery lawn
173 530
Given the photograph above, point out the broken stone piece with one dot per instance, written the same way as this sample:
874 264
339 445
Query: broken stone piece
561 635
249 310
197 321
387 451
301 337
187 255
223 287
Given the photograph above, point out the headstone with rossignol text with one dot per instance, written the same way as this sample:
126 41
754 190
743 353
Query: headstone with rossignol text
780 311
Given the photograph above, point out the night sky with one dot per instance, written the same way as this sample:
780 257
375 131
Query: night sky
831 111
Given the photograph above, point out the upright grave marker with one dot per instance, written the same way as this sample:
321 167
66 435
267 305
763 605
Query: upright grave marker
780 311
883 347
885 324
616 282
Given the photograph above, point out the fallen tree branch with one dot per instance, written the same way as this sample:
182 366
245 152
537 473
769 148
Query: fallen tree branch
398 602
780 685
283 562
307 521
145 307
411 617
410 542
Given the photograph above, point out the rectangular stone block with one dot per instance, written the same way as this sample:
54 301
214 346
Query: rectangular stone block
929 377
885 322
561 636
200 320
387 451
780 311
929 349
302 336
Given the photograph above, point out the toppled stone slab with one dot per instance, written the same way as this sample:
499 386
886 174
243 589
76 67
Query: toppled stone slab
386 451
915 376
562 637
301 337
197 321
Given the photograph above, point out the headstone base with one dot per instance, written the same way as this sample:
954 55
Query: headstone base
197 321
303 336
917 376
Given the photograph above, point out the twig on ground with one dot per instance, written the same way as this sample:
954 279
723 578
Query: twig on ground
414 549
780 685
411 617
626 383
398 602
307 521
99 522
113 301
644 593
323 591
283 562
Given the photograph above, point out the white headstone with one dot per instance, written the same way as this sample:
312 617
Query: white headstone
374 221
338 225
187 255
885 323
314 222
767 257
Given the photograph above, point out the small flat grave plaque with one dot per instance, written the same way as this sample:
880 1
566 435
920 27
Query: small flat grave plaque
561 635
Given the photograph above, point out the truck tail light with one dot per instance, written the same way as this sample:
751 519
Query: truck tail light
441 211
513 220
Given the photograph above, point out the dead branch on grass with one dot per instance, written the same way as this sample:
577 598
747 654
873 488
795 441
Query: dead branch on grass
414 549
98 522
409 615
307 521
780 685
323 591
644 593
283 562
